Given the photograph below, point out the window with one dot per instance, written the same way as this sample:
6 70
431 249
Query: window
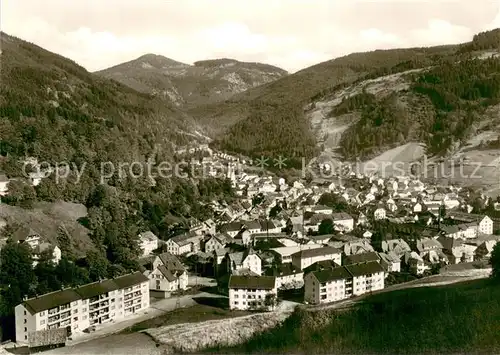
42 322
42 313
84 317
25 329
25 337
84 310
75 311
25 321
25 312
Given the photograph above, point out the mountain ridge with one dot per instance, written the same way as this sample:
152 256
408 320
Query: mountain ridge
269 105
184 85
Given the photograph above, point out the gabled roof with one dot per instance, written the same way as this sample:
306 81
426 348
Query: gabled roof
252 282
130 280
326 275
96 288
168 274
51 300
341 216
320 265
148 236
390 257
252 225
284 270
364 269
171 262
309 253
362 258
22 233
231 227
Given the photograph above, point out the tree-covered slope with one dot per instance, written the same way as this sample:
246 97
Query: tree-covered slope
53 109
270 110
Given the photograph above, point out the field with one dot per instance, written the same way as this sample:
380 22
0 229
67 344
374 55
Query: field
194 314
459 318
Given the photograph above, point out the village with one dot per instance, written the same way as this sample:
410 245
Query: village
326 240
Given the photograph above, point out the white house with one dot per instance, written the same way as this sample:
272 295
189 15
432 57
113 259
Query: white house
4 182
79 308
252 292
217 241
183 244
485 223
27 235
166 274
343 222
54 251
285 253
148 242
305 258
247 260
390 262
415 263
379 214
322 209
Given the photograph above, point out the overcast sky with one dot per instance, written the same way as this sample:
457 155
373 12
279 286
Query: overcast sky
292 34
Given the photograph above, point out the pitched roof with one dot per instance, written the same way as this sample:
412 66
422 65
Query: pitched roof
341 216
22 233
338 273
130 280
286 269
252 225
364 269
252 282
96 288
51 300
309 253
149 236
171 262
320 265
231 227
362 258
165 272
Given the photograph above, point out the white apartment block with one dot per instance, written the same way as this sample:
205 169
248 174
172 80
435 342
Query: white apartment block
305 258
339 283
251 292
79 308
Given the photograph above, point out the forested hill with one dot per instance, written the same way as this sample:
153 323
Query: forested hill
445 90
55 110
